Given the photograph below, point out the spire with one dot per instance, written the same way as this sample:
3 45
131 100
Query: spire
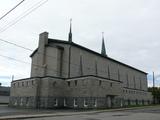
70 32
103 50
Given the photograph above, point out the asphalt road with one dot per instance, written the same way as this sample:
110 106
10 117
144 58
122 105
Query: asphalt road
5 111
138 114
107 116
149 113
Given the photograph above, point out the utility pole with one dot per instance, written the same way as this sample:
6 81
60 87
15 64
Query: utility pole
154 89
12 77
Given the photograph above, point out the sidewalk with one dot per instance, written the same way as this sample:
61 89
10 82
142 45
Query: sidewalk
70 113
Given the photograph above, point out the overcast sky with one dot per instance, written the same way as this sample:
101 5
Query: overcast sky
131 30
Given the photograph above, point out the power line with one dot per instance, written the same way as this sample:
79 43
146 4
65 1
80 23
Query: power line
11 9
20 61
64 73
30 49
23 15
6 70
11 58
50 69
52 57
15 44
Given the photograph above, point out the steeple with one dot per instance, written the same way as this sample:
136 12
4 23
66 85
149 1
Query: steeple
70 32
103 50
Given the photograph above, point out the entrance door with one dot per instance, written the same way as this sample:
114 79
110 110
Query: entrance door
110 101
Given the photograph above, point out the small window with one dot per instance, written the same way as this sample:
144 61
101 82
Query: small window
55 102
100 82
111 84
32 82
27 101
95 102
65 102
21 101
15 102
75 82
27 83
68 83
75 102
85 102
18 84
22 83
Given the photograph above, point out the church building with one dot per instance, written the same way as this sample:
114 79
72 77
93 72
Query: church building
67 75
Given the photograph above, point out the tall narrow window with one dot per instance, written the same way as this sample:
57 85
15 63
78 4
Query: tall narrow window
75 82
140 83
109 72
81 66
127 80
100 82
96 71
68 82
69 64
134 79
111 84
118 75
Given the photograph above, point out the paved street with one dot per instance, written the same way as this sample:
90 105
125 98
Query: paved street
5 111
107 116
149 113
142 114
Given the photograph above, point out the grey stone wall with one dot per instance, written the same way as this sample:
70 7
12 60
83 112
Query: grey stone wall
50 92
55 62
105 67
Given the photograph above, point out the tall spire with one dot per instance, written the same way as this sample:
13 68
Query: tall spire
70 32
103 50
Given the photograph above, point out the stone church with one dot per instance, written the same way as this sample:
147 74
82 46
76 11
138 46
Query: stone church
66 74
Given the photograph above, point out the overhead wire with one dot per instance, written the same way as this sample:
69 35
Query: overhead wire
52 57
48 69
24 14
15 44
34 8
11 9
20 61
39 4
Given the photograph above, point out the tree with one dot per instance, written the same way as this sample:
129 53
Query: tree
156 94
